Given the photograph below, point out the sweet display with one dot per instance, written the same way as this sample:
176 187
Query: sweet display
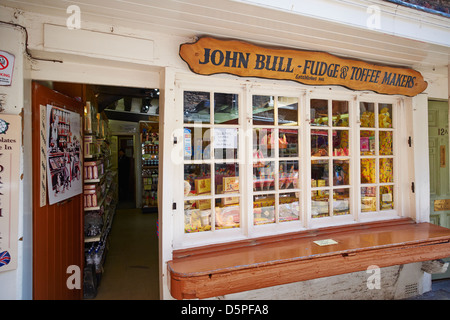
228 216
386 138
319 143
320 203
93 169
264 176
386 197
340 143
368 119
386 170
368 170
289 207
227 178
367 143
385 116
263 209
368 199
196 220
341 199
341 172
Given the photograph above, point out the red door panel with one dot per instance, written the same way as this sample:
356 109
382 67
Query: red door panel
57 229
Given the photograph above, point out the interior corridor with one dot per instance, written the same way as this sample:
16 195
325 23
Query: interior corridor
131 265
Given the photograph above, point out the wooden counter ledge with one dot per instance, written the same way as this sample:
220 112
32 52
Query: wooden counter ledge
269 261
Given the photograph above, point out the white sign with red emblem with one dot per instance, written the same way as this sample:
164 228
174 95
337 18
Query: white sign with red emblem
6 68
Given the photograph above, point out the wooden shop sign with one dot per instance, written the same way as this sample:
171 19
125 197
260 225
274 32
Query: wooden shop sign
209 56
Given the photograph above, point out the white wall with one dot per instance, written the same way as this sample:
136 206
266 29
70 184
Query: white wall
16 284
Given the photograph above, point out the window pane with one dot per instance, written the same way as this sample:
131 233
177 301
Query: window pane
367 143
319 203
227 213
264 176
341 200
197 143
263 140
196 107
289 207
197 215
227 178
340 143
387 197
367 114
368 171
386 143
385 115
197 179
263 110
319 143
340 113
368 199
319 173
341 172
226 108
288 143
288 175
263 209
319 112
386 170
287 111
226 143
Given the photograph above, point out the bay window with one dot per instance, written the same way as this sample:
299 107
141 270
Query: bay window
265 162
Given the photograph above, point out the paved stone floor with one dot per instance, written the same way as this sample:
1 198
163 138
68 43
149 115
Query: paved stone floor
440 290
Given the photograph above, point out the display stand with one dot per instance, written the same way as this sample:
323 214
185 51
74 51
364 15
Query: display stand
150 164
100 193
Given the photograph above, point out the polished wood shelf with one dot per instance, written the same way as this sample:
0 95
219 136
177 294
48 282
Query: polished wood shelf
257 263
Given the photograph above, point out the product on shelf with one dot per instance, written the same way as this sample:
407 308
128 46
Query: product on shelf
93 169
150 162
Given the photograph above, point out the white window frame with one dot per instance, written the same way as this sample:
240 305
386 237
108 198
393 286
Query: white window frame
403 203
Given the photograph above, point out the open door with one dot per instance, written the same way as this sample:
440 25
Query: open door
438 141
58 250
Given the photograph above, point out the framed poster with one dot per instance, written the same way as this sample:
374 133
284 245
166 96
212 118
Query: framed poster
64 158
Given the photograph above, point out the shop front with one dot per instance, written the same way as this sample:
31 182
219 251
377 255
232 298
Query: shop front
276 172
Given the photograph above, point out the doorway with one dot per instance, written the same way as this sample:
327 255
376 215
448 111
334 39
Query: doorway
103 228
126 171
438 142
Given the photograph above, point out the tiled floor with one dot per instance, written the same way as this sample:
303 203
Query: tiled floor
131 266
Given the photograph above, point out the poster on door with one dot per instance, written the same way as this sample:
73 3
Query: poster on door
64 165
10 150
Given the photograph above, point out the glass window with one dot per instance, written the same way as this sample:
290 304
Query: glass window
211 177
226 108
319 112
276 152
289 183
227 211
289 207
287 111
263 110
196 143
377 157
263 209
197 107
333 167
